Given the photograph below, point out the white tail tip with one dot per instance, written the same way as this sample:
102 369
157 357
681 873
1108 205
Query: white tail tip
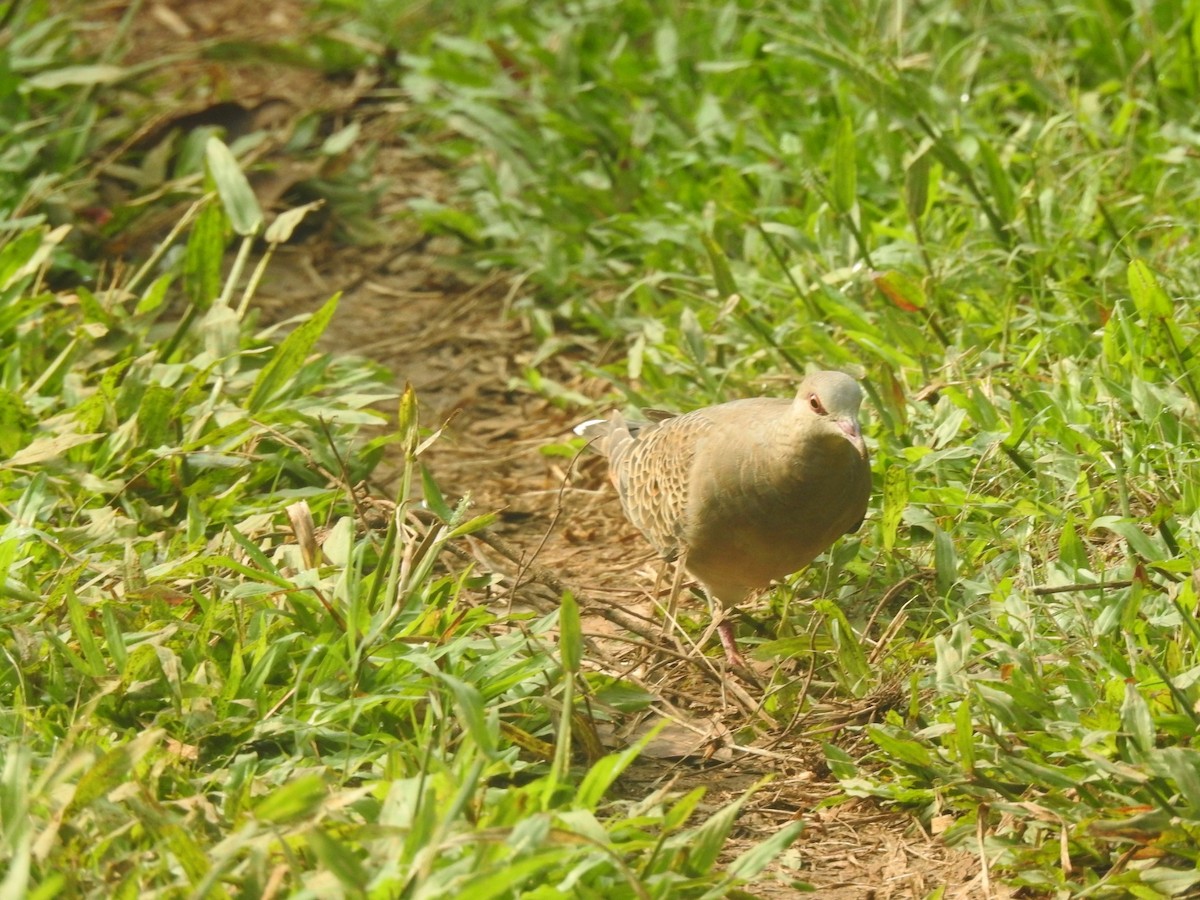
583 428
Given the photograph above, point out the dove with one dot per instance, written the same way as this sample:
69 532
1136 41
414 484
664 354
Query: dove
746 492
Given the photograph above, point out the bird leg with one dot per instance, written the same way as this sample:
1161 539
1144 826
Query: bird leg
724 625
669 622
729 642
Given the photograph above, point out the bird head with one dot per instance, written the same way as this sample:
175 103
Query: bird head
833 398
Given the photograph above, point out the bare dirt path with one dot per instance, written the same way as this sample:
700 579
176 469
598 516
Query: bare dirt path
412 304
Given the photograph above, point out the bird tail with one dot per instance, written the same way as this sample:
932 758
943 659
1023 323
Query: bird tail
593 428
607 436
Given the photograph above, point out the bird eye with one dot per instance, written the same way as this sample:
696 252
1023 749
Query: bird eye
815 403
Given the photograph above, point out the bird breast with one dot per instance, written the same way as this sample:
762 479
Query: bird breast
761 513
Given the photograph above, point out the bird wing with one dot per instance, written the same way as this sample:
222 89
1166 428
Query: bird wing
651 468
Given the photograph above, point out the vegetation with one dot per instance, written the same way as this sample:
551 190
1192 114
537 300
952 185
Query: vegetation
988 210
985 210
197 698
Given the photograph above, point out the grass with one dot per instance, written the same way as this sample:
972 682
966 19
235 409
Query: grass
223 669
987 211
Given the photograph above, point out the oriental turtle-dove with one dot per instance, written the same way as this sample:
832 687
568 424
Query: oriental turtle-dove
746 492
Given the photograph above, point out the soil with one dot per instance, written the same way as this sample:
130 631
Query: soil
416 305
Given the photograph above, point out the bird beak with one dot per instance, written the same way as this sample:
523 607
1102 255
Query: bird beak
853 434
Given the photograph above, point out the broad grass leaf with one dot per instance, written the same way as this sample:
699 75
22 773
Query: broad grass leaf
1136 720
1165 881
221 330
443 816
847 646
952 653
895 501
297 799
341 140
798 647
709 838
570 634
203 256
267 570
245 215
47 448
945 561
608 769
411 805
844 186
621 695
964 736
82 629
693 337
156 417
74 76
100 409
94 312
47 244
916 185
291 356
281 229
681 810
1052 776
113 768
432 495
266 655
904 291
579 823
749 864
722 273
113 636
155 295
474 524
503 881
948 420
187 850
666 48
1071 550
15 885
15 259
534 746
726 25
841 764
1139 542
16 420
338 859
1140 821
905 750
1149 298
1182 765
169 662
472 714
530 832
999 182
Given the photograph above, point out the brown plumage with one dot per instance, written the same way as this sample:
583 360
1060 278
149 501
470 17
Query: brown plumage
744 492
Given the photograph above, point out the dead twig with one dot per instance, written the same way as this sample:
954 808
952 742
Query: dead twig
1043 589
